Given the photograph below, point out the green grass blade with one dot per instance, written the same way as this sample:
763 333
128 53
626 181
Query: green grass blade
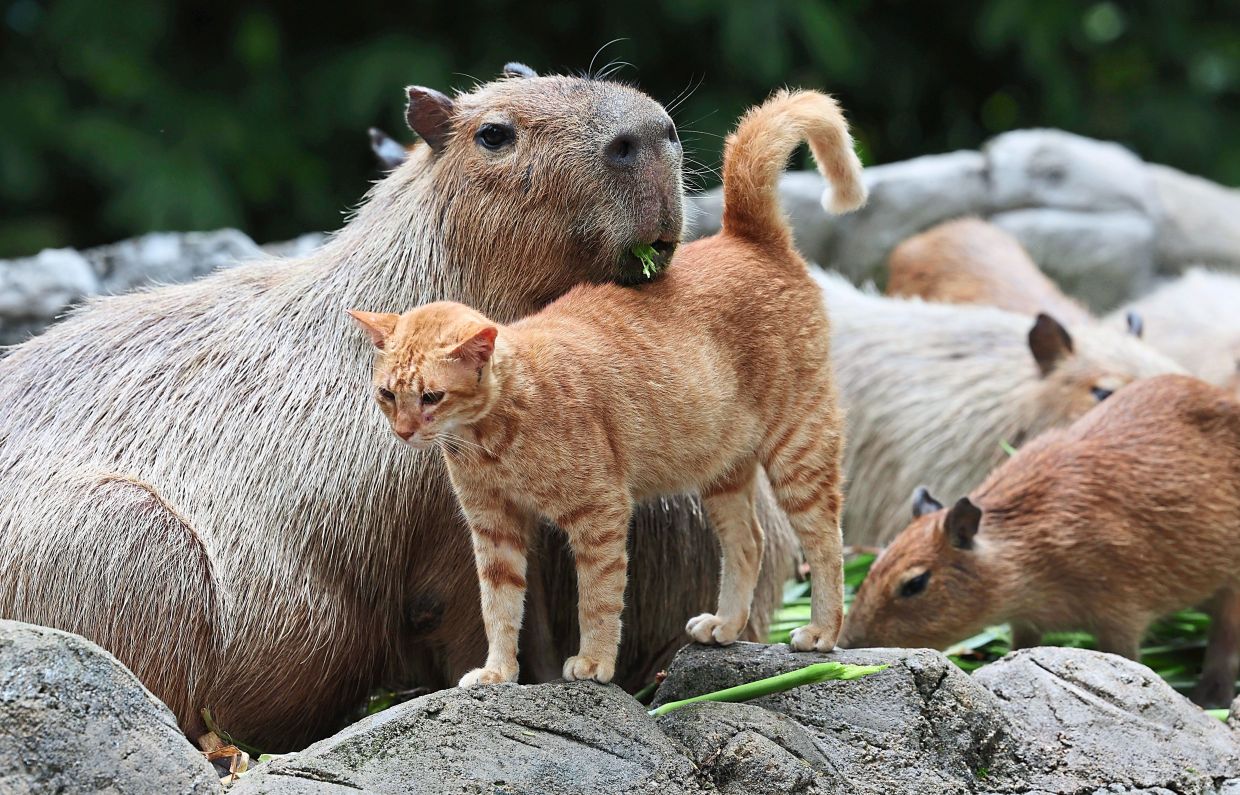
809 675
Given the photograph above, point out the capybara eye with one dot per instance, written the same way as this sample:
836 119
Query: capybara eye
1101 394
495 136
431 398
386 394
916 585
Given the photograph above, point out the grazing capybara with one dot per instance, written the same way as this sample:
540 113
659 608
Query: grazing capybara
932 392
193 477
1194 320
1130 513
971 261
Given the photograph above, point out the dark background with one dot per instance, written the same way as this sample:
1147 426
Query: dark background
119 117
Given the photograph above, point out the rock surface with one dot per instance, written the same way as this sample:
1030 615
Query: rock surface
36 290
548 739
1091 213
73 719
1043 720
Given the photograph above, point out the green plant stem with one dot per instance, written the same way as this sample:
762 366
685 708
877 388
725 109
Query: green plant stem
809 675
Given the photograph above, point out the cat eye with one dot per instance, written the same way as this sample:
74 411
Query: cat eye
495 136
916 585
431 398
386 394
1101 394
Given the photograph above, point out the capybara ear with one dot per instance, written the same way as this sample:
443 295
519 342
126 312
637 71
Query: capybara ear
962 523
389 153
1049 342
377 325
477 348
1136 325
923 503
515 69
429 115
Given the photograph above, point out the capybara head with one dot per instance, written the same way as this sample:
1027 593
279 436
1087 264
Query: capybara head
563 169
930 587
432 372
1081 370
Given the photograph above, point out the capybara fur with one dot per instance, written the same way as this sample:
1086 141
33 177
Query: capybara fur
932 392
1195 320
194 478
1128 514
971 261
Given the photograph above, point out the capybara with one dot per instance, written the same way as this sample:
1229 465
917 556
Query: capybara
932 393
971 261
188 478
1194 320
1130 513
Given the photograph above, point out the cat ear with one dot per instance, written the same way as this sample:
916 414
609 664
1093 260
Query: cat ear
377 325
476 350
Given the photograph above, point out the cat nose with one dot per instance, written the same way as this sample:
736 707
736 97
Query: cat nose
407 435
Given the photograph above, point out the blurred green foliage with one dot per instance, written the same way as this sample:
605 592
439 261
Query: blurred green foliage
126 116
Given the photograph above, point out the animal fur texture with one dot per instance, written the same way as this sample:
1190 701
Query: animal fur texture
971 261
612 396
1195 320
194 478
931 392
1130 513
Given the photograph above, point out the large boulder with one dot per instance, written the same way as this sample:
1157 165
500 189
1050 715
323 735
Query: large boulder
73 719
579 737
920 726
1090 719
1045 720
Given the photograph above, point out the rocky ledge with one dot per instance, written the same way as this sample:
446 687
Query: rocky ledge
1039 721
1045 720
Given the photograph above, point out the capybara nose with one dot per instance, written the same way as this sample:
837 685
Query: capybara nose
626 148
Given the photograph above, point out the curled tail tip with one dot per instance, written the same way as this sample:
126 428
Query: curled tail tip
841 199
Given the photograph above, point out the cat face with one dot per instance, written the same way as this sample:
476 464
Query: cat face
432 376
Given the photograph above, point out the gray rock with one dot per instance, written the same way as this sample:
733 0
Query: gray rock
559 738
297 247
168 258
1199 224
73 719
749 750
920 726
1086 719
1052 168
1102 258
34 291
905 198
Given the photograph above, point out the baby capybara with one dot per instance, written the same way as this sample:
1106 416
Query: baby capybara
1130 513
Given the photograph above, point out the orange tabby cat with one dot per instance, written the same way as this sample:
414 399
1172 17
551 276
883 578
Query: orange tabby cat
613 395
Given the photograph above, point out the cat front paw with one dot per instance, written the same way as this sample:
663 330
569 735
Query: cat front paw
583 667
486 676
710 629
813 638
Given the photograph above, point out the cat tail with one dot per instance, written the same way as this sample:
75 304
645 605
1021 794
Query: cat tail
755 154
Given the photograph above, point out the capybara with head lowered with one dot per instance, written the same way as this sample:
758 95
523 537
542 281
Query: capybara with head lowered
932 392
971 261
1195 320
1130 513
189 479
